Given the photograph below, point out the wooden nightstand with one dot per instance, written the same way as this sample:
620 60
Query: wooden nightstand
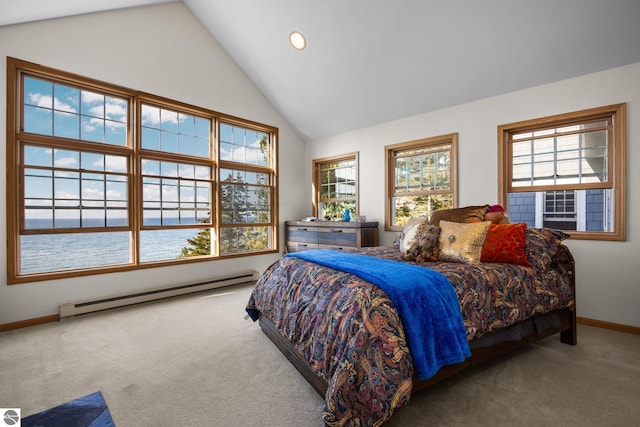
303 235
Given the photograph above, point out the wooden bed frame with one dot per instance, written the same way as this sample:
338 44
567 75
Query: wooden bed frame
567 330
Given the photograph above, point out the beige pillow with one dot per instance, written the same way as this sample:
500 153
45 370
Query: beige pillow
462 242
466 214
409 233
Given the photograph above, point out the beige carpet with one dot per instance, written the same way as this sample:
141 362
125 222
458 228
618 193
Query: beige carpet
195 361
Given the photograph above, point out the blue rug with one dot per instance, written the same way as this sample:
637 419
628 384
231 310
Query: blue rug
88 411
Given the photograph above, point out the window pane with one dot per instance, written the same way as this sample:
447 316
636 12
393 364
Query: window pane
174 132
244 239
92 129
38 120
334 211
151 139
243 145
162 245
338 180
418 206
60 252
422 172
92 105
568 210
557 158
66 125
72 112
66 159
244 197
38 92
38 106
199 244
115 133
175 193
202 128
79 198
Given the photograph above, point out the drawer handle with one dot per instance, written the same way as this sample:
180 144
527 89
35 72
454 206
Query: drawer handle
337 231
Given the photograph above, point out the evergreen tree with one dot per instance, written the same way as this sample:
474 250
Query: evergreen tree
200 244
237 208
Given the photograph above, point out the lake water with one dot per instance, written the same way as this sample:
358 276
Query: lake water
43 253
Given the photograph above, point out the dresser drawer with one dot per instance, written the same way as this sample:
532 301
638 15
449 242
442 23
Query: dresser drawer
334 247
303 235
337 237
297 246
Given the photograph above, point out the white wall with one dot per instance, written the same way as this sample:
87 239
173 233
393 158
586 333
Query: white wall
608 273
161 50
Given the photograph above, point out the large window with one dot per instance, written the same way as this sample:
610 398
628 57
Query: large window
103 178
335 181
421 178
567 172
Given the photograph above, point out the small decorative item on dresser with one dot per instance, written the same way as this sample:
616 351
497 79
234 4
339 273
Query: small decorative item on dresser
347 216
361 218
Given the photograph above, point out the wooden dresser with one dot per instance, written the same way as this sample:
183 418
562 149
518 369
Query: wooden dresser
303 235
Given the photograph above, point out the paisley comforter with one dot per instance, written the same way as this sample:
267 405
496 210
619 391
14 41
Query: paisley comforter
351 335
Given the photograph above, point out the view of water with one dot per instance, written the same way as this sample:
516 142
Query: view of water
42 253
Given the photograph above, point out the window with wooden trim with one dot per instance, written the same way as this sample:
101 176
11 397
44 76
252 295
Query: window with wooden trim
103 178
246 189
567 172
421 178
335 181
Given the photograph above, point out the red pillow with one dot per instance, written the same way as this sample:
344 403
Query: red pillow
506 243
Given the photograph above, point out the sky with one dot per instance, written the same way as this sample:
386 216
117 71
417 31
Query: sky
98 179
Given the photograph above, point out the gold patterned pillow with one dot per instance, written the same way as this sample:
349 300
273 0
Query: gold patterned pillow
462 242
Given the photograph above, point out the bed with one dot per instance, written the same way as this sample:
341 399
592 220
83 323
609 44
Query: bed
348 338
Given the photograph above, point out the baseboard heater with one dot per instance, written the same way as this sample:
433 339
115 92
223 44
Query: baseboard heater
146 295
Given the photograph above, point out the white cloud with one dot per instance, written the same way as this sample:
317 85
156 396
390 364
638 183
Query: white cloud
116 164
66 162
45 101
91 97
89 126
116 111
92 193
67 195
114 195
151 192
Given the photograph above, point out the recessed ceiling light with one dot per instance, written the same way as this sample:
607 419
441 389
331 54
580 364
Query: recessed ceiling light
297 40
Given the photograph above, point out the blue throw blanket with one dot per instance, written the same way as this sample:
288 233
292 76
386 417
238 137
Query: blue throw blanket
425 300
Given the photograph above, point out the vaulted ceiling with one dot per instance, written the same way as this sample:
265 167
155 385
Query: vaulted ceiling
372 61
